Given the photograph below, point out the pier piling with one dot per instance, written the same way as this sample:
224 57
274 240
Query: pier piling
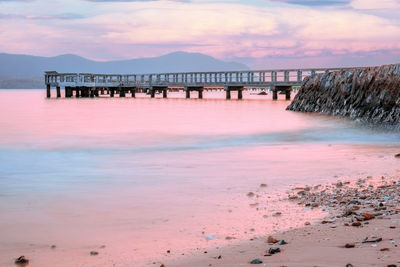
48 91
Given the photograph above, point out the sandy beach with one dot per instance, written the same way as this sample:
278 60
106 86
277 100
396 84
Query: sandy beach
363 231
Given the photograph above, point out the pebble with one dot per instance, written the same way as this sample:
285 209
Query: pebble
350 245
307 223
368 216
356 224
256 261
94 253
272 240
21 260
274 250
251 194
282 242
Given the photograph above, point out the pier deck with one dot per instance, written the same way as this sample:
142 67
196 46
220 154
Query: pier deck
90 85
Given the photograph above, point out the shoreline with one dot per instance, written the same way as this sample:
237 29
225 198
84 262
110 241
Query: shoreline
337 240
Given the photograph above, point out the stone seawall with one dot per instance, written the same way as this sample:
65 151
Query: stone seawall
369 94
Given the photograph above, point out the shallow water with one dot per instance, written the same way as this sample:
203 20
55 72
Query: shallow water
143 176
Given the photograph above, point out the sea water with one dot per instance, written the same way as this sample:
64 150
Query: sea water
135 178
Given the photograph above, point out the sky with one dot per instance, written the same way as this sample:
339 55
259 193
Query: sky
260 33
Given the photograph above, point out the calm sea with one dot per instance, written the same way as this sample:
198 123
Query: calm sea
133 178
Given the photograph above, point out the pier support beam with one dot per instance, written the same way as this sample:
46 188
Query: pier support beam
77 92
48 93
228 94
121 92
199 89
111 92
68 92
164 93
133 91
91 93
58 92
239 89
152 93
274 94
288 95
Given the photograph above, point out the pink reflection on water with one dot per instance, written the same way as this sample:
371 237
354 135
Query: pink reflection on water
197 161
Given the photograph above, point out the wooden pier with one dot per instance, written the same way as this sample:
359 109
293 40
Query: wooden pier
93 85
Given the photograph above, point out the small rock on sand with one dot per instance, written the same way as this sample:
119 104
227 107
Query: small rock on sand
256 261
397 156
350 245
94 253
307 223
349 265
274 250
282 242
356 224
263 185
272 240
21 260
250 194
368 216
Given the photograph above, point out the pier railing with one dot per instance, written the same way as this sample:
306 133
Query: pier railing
276 80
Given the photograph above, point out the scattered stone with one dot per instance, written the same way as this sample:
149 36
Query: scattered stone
22 260
282 242
274 250
350 245
356 224
272 240
219 257
385 249
162 265
229 238
372 241
94 253
368 216
397 156
102 246
349 265
251 194
392 227
256 261
263 185
53 246
392 265
307 223
168 251
209 237
277 214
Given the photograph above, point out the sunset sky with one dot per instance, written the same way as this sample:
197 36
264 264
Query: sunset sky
256 32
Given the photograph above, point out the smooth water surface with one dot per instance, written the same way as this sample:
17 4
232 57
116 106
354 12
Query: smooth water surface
133 178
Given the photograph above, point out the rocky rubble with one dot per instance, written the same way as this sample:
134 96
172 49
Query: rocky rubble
356 203
369 94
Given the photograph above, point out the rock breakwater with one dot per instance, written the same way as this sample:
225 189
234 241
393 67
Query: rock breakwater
370 94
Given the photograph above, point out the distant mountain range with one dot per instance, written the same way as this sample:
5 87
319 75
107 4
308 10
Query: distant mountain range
24 71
